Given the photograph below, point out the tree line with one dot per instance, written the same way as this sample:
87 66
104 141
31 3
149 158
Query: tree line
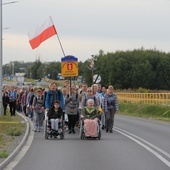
148 69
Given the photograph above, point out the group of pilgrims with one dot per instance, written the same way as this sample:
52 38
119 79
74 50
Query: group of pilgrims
74 102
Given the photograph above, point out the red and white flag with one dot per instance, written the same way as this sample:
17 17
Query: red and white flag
42 33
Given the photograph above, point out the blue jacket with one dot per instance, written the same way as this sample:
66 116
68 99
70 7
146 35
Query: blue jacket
49 99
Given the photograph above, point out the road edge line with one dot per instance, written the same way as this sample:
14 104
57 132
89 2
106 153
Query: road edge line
19 147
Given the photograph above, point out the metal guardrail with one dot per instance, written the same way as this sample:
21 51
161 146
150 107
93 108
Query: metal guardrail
152 98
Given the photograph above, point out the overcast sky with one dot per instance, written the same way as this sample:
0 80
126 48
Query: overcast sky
85 27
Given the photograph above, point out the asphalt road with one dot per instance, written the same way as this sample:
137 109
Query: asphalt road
136 144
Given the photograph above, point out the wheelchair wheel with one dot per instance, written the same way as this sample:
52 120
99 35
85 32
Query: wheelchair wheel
82 135
46 135
62 135
45 132
99 135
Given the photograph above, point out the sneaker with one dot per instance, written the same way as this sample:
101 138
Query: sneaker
69 132
35 130
111 131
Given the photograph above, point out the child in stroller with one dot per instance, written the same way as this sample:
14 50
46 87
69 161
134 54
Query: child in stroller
90 123
55 122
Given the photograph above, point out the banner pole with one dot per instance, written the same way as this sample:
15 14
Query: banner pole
58 38
60 45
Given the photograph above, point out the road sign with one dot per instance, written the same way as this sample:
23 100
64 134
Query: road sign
69 66
96 78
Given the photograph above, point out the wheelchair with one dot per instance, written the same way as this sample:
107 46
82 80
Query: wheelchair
51 133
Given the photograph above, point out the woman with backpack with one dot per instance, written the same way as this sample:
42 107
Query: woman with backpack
38 107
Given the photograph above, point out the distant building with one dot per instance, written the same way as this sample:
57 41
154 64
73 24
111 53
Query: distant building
20 78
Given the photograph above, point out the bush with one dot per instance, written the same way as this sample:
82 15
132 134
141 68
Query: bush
3 154
14 131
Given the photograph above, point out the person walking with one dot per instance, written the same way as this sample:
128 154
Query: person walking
29 102
66 86
82 92
5 100
71 107
12 100
64 92
38 108
110 107
88 96
103 116
53 94
23 102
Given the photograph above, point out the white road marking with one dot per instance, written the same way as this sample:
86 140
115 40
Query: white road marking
136 139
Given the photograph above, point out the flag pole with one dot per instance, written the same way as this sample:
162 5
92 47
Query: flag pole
58 38
60 45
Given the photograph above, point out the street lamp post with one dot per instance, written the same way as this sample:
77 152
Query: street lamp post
1 48
12 2
0 57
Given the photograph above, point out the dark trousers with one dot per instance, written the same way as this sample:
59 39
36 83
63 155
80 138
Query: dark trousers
19 108
24 109
110 119
71 121
12 106
5 107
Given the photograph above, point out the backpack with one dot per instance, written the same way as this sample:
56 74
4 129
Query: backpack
42 97
38 104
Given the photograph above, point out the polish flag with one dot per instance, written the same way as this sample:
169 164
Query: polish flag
42 33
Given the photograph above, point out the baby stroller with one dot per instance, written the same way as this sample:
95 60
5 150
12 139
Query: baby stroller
54 133
83 130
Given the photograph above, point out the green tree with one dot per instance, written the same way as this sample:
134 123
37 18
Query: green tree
34 69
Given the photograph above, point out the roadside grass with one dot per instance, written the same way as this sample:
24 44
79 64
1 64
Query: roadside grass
158 112
11 127
29 80
4 154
